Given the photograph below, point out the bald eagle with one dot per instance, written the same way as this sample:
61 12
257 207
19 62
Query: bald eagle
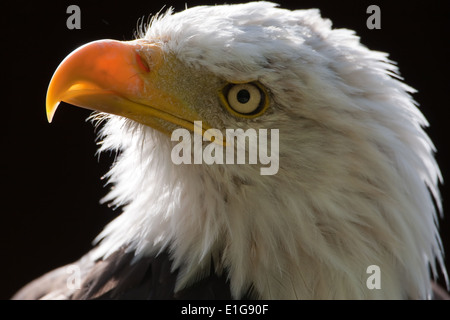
355 185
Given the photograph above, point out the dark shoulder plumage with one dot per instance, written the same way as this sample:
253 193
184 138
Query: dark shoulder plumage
119 277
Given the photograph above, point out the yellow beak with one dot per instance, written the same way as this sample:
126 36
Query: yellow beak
120 78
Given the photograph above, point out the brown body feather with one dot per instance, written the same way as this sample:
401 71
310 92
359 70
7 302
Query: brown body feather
118 277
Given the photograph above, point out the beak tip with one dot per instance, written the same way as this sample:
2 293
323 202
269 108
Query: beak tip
50 110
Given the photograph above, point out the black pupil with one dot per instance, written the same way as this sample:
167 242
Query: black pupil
243 96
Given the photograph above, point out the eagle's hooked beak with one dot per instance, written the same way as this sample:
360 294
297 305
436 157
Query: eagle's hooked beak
120 78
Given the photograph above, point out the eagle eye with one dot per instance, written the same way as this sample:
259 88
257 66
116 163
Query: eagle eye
247 100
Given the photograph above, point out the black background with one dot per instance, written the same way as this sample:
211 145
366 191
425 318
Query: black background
50 174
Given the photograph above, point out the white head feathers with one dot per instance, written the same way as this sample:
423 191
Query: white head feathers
355 171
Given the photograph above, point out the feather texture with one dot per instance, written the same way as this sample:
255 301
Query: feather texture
357 181
355 171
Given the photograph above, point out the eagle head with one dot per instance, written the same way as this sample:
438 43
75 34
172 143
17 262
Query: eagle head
351 182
